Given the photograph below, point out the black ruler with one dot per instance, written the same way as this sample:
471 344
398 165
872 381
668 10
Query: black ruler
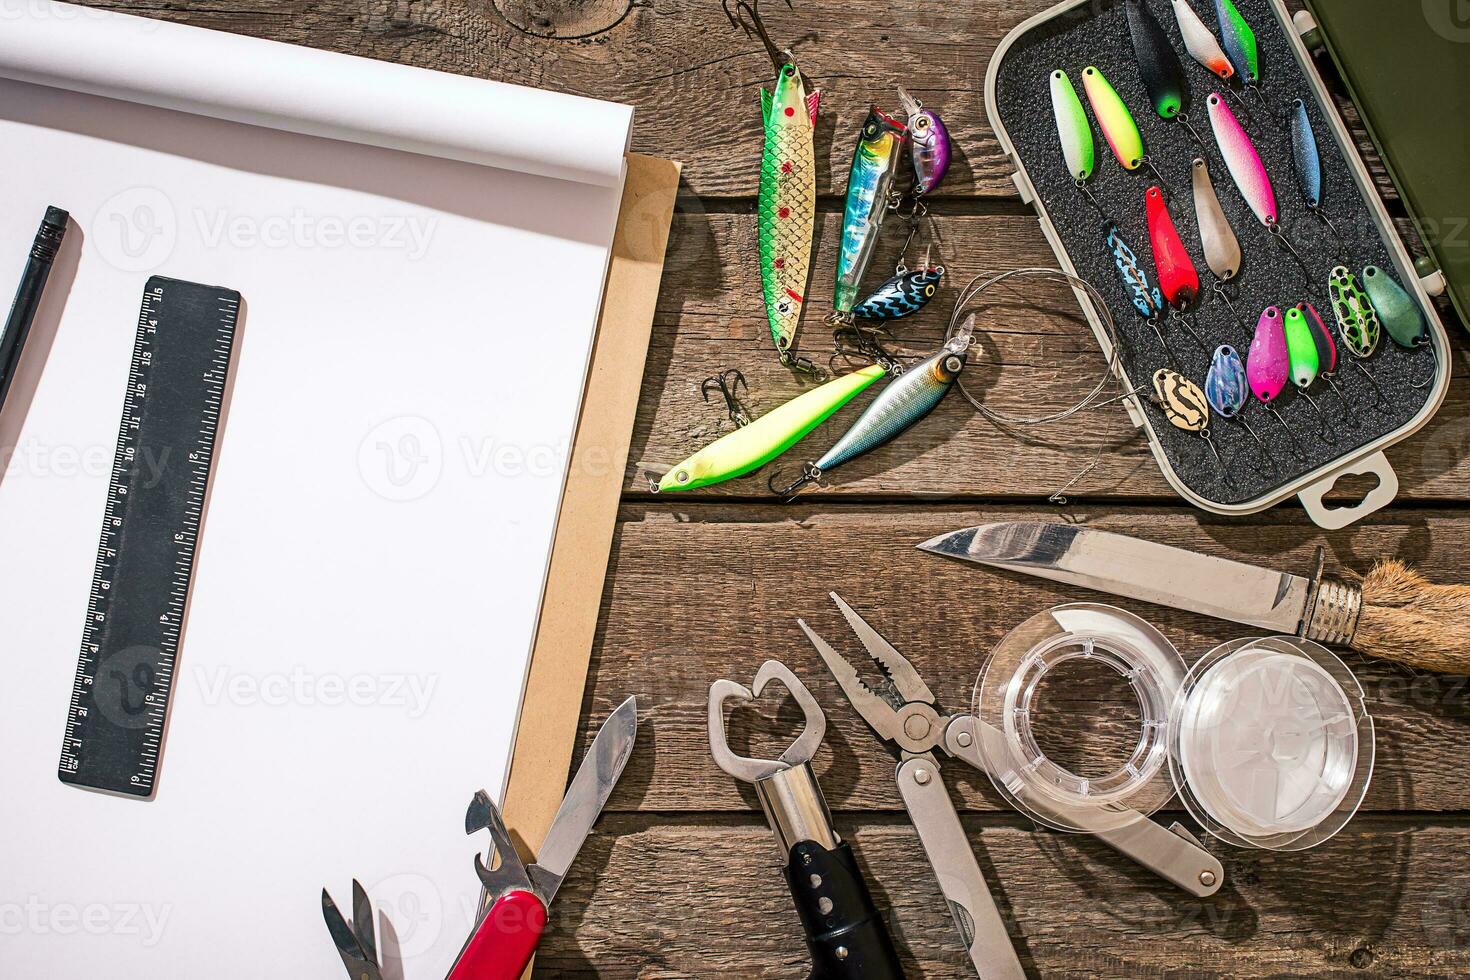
140 589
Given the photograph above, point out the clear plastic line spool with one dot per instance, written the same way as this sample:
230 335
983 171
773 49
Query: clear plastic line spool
1271 744
1005 701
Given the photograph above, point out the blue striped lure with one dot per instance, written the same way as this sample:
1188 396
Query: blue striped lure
903 295
907 399
1146 299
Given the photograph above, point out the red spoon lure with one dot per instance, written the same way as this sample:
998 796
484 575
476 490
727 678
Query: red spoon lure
1178 280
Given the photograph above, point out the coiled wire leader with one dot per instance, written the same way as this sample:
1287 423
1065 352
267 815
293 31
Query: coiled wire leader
985 281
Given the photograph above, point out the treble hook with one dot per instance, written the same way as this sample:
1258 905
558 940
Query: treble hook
780 57
726 382
809 475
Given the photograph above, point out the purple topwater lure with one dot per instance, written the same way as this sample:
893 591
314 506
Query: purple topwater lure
928 144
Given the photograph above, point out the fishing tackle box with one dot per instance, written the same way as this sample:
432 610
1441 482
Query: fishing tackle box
1304 462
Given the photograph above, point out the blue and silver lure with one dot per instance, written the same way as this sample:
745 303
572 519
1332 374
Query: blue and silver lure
907 399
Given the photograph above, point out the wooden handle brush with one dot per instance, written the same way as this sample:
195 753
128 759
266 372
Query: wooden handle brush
1395 614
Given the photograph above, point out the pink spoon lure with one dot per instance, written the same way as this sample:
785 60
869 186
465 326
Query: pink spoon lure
1268 366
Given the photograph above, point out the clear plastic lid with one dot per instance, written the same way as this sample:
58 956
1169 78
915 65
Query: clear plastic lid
1005 707
1271 744
1268 742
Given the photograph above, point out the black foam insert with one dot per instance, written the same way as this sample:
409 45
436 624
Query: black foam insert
1097 34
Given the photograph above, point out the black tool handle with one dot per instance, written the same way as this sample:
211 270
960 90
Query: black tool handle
844 931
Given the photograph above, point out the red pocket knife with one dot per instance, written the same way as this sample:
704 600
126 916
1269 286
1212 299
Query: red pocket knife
517 896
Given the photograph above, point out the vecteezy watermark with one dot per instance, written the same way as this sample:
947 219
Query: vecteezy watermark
409 234
39 460
411 906
402 458
409 693
1450 19
138 229
41 918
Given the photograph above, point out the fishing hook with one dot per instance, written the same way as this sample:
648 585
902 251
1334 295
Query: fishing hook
1284 242
1183 117
726 382
779 56
1220 293
1434 372
809 475
1059 498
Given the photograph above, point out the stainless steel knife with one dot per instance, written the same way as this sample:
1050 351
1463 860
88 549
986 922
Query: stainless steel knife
1317 608
1393 613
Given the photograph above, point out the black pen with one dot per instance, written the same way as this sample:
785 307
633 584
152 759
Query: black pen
28 296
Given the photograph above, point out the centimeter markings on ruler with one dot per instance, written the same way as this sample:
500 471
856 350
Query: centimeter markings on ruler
150 532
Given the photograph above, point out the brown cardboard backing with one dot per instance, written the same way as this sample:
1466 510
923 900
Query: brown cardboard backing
551 705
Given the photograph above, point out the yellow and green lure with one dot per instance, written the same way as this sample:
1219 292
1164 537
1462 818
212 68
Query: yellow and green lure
788 203
748 449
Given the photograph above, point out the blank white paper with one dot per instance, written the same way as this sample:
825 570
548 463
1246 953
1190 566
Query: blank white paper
409 368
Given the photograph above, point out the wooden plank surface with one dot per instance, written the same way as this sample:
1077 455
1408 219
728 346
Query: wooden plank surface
680 878
1392 904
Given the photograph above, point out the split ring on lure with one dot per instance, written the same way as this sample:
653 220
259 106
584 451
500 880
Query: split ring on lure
1303 358
1226 390
907 399
786 213
1178 280
1222 247
1159 67
929 146
875 163
1247 170
1200 41
905 294
1115 120
1185 406
1307 156
1397 311
753 446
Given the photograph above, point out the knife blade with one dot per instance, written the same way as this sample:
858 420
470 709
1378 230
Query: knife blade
1137 569
585 798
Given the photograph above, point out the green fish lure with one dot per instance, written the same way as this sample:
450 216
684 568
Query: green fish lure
787 210
747 449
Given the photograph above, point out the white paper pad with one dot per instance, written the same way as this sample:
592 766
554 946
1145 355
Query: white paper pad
410 362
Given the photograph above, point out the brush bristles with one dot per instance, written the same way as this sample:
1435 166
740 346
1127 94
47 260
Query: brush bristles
1410 620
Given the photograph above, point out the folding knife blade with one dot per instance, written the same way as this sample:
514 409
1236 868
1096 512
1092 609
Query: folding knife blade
1126 566
589 791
